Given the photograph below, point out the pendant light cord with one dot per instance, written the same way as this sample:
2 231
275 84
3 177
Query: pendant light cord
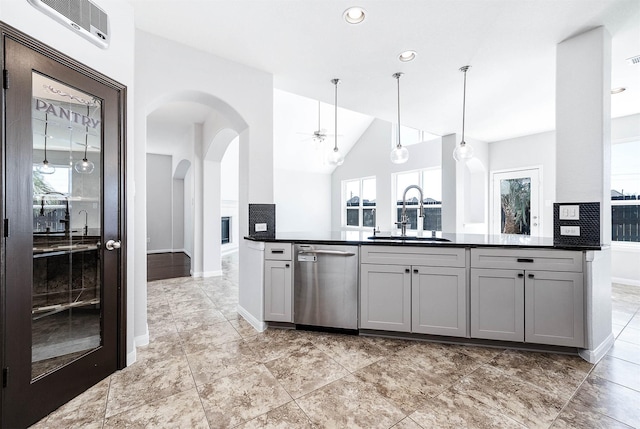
86 137
464 99
397 76
46 124
335 146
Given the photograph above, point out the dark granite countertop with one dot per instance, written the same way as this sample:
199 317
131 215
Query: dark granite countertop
442 239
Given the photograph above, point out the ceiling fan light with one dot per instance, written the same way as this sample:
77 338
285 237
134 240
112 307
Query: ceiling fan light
399 155
354 15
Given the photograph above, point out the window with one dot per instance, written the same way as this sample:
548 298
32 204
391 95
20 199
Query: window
430 180
359 197
625 191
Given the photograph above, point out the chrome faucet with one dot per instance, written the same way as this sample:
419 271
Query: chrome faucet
404 219
86 227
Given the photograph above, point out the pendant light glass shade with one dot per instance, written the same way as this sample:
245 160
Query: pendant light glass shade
399 154
335 157
463 151
44 166
85 166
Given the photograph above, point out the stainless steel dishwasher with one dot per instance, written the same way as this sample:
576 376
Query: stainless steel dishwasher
326 286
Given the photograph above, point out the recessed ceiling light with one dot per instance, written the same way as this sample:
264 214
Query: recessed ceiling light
407 56
354 15
618 90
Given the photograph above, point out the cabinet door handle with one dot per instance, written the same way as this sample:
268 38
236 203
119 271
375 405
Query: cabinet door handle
529 260
530 276
277 251
407 270
415 271
286 265
520 275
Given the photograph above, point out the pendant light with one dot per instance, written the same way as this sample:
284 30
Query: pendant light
399 154
44 167
335 157
463 151
85 166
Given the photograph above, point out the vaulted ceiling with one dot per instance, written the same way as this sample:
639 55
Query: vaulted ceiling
510 44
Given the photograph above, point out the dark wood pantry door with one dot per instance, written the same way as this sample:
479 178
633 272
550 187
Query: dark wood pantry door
62 267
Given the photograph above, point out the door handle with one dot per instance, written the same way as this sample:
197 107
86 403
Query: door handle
328 252
113 244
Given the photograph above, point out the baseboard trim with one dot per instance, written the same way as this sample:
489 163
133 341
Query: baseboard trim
257 324
217 273
630 282
139 341
594 356
152 252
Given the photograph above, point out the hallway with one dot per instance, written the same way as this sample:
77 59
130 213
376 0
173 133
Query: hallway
206 367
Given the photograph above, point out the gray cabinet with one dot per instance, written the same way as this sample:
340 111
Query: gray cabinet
497 304
385 297
439 301
414 289
554 308
529 296
278 281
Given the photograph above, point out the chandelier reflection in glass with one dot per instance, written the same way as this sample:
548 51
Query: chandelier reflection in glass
44 167
85 166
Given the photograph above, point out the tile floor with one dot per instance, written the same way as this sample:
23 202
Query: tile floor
205 367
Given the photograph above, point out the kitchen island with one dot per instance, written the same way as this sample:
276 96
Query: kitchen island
522 292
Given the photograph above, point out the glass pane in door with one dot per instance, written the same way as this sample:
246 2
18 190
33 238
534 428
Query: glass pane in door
515 201
66 283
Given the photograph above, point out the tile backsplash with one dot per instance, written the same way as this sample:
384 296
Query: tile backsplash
586 227
262 214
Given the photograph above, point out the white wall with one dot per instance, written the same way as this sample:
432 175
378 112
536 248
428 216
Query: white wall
188 214
537 150
159 203
370 157
117 63
303 201
242 96
178 215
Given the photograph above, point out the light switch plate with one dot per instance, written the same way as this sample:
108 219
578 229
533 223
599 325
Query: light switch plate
261 227
569 212
570 230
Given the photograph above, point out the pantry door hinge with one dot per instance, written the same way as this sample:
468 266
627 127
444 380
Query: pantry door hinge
5 79
6 228
5 376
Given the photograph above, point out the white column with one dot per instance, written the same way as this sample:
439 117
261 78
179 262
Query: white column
583 163
198 201
583 123
449 184
211 259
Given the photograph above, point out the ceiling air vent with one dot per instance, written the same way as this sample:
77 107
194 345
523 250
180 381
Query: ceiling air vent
83 16
634 60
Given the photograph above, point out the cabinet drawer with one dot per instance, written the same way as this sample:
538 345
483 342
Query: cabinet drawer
527 259
277 251
425 256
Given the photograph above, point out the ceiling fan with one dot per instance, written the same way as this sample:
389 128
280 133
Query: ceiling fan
319 135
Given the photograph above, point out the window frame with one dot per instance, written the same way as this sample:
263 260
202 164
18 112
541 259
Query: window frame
395 197
360 206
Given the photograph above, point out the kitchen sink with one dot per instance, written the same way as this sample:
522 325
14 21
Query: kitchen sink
409 238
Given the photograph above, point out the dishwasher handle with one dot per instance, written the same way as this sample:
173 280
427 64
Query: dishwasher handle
328 252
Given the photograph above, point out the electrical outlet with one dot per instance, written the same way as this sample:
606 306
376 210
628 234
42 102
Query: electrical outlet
570 230
261 227
571 212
